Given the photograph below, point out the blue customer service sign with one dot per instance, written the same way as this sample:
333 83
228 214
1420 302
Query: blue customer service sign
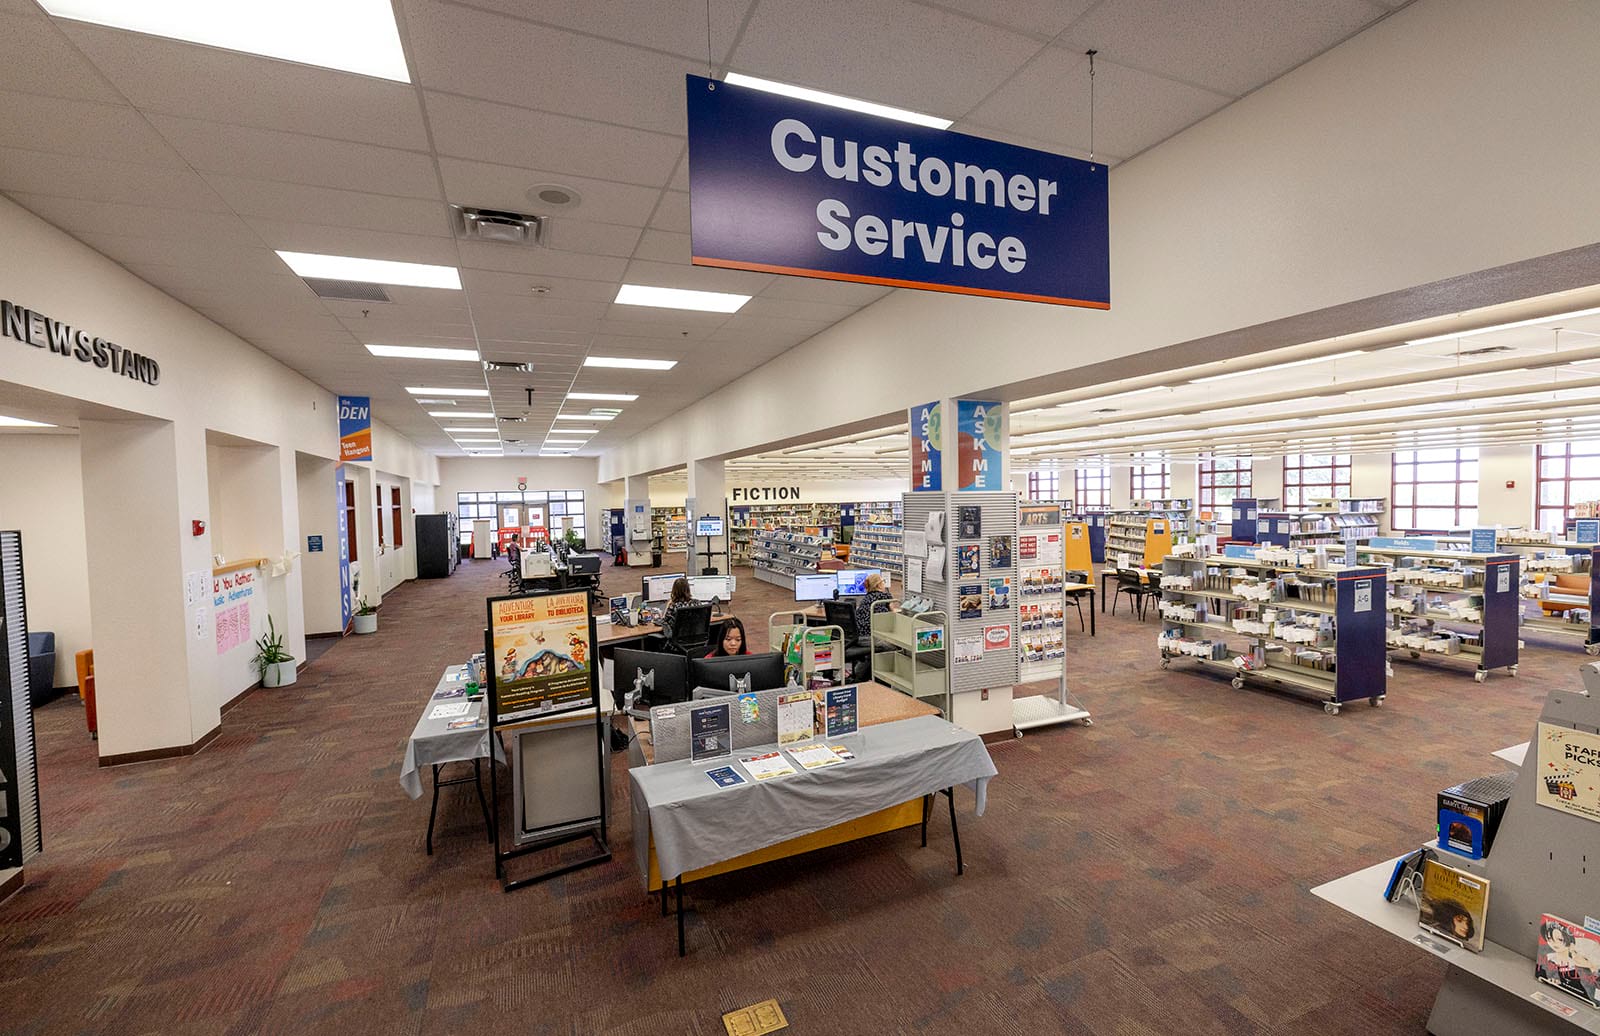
788 186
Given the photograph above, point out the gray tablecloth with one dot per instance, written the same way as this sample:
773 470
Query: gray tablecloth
434 742
696 824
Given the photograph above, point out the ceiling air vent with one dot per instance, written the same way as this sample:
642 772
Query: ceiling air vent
1106 410
507 366
1486 350
498 227
354 291
512 420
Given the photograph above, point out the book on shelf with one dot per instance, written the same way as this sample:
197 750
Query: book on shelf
1569 958
1453 903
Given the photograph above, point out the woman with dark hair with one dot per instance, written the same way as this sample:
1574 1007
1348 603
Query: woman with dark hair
732 641
680 597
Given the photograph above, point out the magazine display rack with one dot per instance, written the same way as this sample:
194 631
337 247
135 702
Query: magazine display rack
1042 558
1542 862
1317 632
778 555
1452 604
1341 521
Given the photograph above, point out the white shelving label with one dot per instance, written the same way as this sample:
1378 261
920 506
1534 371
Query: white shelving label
1363 595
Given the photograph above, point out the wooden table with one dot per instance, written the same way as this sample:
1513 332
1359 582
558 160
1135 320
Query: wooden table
610 635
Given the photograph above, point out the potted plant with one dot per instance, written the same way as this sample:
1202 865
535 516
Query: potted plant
574 539
366 618
274 663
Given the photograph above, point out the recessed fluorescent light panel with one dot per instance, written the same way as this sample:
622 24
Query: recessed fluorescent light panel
1275 367
627 364
357 36
468 431
836 100
426 391
372 271
563 442
477 442
423 352
586 417
574 431
620 397
457 415
18 422
680 298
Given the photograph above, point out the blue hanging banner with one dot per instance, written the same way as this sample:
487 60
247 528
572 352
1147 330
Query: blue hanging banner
978 445
927 441
340 503
781 185
355 428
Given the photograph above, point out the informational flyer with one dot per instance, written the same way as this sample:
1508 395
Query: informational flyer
969 648
1000 593
970 601
930 639
766 767
543 659
935 569
915 543
996 638
797 717
913 575
967 561
725 777
843 714
450 709
710 731
1569 771
814 756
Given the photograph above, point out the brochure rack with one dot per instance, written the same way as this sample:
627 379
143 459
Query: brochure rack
1145 540
1317 632
1042 557
778 555
1469 611
1542 862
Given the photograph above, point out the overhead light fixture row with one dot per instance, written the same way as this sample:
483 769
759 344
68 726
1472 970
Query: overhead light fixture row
854 104
620 397
372 271
423 352
18 422
1276 367
629 364
434 391
586 417
680 298
1503 327
456 415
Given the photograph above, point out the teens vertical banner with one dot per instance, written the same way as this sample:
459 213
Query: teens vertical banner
927 433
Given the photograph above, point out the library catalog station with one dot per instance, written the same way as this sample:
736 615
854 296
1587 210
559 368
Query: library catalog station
877 517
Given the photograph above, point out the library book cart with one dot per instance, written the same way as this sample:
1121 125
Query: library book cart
1451 604
1314 632
1541 862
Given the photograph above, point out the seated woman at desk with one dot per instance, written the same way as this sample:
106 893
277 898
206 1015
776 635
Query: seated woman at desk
875 592
680 596
732 641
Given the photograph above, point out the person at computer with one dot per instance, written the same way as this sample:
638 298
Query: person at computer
732 641
875 592
679 597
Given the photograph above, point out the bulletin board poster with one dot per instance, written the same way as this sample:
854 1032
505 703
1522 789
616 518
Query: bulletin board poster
927 435
355 428
978 445
1569 771
542 654
231 594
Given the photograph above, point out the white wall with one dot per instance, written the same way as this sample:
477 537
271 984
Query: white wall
1498 505
41 494
499 474
1342 181
1372 474
319 572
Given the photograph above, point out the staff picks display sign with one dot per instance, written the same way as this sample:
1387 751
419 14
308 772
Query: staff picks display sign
355 428
788 186
542 653
1569 771
927 431
978 445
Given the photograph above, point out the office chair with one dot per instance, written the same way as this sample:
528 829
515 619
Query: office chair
690 635
857 646
1150 591
1075 597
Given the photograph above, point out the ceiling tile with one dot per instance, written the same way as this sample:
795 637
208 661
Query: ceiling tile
483 185
263 154
210 255
790 309
1039 18
516 328
104 180
1231 46
539 264
1134 110
653 24
369 244
71 127
174 78
461 50
77 216
696 278
673 212
663 246
568 235
323 205
484 282
814 289
943 64
39 60
488 132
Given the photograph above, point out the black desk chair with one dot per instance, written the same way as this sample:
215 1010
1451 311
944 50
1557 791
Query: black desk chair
1075 597
857 648
1151 591
690 635
1128 583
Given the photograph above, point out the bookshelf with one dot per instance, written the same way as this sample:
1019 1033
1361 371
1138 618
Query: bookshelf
1314 632
1145 539
670 527
1452 604
896 660
1341 521
878 546
778 555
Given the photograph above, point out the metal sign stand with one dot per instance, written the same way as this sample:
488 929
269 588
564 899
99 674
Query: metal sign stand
542 723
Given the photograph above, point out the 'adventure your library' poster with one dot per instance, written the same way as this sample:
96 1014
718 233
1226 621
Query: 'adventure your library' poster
542 654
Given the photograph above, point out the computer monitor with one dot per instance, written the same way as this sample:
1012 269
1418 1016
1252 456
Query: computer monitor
708 525
709 588
852 582
763 672
816 586
659 588
661 677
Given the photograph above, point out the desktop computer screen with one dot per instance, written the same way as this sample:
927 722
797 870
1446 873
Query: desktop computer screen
852 582
708 525
659 588
660 677
738 673
818 586
708 588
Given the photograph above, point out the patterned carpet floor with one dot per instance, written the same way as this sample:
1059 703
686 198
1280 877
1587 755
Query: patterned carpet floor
1147 874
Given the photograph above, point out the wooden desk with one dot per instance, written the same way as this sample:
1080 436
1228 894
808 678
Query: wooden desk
611 635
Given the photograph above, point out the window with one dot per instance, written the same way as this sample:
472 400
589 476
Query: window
395 522
1092 488
472 506
1152 480
1435 490
350 518
377 519
1222 479
1044 485
1568 474
1309 477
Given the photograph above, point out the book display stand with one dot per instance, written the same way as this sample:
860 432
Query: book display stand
1542 862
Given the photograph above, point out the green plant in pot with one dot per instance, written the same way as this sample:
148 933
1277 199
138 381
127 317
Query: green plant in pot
274 663
366 617
574 539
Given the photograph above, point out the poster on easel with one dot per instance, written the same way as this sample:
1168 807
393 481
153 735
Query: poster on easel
542 654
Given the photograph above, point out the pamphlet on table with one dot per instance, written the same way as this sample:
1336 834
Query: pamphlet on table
813 756
450 709
767 766
725 777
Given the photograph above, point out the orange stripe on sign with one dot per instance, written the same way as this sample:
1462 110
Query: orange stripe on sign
894 282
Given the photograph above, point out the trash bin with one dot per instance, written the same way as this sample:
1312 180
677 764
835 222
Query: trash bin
655 559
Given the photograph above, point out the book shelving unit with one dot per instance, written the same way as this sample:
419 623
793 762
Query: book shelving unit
1144 538
778 555
897 663
670 526
878 546
1468 606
